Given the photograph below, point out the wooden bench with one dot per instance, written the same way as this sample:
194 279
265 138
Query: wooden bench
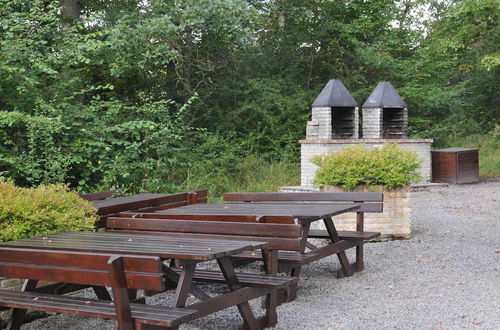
369 202
92 269
142 202
279 236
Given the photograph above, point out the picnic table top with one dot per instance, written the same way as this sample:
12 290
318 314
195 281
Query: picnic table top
311 211
125 203
147 245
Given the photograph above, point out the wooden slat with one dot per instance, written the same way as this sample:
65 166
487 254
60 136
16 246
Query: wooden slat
287 256
207 227
135 202
299 197
75 275
208 217
76 259
147 314
80 268
239 296
151 202
304 211
246 279
201 194
303 258
355 235
211 217
292 244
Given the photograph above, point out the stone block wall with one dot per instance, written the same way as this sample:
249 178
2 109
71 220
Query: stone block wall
322 117
311 148
320 127
405 122
372 123
392 223
356 122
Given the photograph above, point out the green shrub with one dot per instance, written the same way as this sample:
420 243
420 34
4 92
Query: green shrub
38 211
387 166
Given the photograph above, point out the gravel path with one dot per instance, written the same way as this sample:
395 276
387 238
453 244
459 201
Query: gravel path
446 276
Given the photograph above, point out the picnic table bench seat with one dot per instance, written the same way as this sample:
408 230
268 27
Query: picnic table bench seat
126 263
246 279
97 270
140 313
345 234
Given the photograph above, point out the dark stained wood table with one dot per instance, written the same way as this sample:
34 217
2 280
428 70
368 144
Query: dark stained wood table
304 213
188 251
132 202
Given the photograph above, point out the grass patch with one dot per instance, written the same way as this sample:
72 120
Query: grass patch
489 151
248 174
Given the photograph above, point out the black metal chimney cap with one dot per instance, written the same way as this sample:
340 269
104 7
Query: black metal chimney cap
384 96
334 94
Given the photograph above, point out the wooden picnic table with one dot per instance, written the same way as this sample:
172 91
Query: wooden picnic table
188 252
145 202
304 213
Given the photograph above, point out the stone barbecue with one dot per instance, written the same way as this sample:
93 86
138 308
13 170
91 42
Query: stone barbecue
385 114
335 125
334 114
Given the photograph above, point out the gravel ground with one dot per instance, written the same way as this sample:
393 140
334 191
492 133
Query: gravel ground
446 276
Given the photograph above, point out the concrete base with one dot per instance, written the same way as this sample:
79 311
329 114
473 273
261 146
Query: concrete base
392 223
311 148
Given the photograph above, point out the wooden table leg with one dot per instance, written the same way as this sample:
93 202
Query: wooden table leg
120 294
234 284
184 284
101 293
194 290
334 236
17 316
360 222
270 258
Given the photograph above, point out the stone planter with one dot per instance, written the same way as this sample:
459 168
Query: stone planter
393 223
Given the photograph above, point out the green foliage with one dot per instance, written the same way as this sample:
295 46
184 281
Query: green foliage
387 166
146 95
452 78
221 165
47 209
110 143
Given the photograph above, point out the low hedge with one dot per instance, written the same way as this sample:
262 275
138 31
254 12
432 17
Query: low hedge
27 212
386 166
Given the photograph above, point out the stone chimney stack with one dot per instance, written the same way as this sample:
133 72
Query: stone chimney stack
385 115
334 114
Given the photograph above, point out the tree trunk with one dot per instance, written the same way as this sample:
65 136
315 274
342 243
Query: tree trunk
70 9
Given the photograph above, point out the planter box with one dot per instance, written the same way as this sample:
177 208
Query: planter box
455 165
393 223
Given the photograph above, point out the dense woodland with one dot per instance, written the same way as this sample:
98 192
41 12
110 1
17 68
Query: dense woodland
180 94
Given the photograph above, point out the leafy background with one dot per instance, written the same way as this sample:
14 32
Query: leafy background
173 95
